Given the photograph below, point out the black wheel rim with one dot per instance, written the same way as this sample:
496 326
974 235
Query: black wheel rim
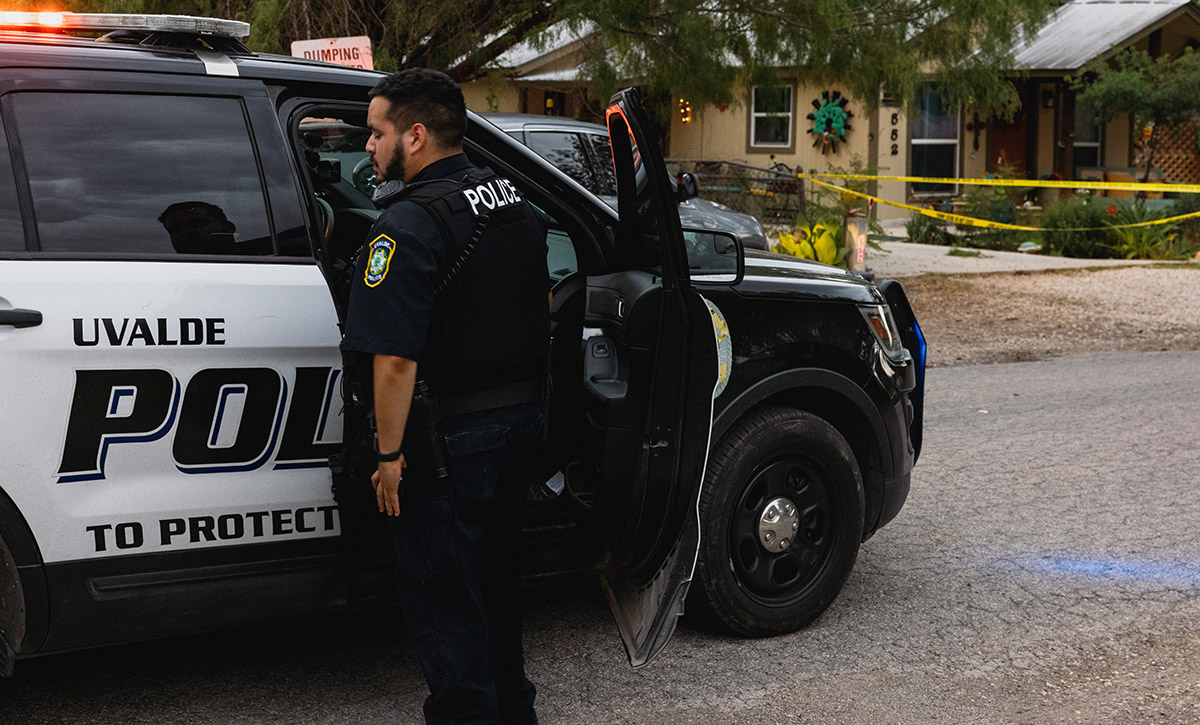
778 578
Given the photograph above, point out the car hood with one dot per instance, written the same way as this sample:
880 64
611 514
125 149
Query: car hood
771 274
701 214
705 214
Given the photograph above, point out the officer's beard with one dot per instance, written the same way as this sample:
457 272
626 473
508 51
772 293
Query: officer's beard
394 171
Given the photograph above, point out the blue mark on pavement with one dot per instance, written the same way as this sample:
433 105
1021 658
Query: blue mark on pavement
1116 569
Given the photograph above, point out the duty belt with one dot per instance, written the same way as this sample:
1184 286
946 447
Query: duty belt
522 391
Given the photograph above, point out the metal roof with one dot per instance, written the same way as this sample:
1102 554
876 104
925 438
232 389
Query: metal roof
541 44
1085 29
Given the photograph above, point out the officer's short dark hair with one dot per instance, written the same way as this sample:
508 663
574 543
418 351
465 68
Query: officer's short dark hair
421 95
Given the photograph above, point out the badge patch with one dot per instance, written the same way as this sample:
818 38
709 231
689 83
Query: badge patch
379 258
724 347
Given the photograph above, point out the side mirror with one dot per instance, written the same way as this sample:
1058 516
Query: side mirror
714 257
687 186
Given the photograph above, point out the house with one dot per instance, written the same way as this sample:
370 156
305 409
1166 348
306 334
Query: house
543 75
816 127
1056 134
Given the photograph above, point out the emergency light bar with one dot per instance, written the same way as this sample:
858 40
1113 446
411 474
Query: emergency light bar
116 21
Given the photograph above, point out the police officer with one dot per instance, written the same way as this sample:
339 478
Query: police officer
449 299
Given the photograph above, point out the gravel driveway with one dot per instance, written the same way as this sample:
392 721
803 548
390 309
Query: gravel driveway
1015 317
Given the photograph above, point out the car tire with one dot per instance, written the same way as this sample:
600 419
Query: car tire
778 470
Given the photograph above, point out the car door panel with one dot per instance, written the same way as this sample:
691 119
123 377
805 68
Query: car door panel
654 405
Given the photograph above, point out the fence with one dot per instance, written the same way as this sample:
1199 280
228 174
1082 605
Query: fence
774 194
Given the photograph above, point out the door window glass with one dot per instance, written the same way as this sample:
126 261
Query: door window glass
602 153
561 261
1087 135
335 151
12 234
566 152
142 174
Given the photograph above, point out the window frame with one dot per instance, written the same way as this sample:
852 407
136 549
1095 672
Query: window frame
290 115
753 145
956 142
251 96
20 191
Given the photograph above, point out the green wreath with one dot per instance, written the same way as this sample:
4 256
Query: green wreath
829 121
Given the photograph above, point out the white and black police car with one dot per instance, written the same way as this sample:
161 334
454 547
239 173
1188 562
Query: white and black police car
176 219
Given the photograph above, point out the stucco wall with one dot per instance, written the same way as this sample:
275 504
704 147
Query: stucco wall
504 96
724 135
716 134
892 118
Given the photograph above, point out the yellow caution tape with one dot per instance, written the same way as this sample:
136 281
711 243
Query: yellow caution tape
986 224
1021 183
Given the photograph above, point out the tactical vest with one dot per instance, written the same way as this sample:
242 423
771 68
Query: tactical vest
491 319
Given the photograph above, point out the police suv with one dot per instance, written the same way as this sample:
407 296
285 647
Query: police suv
177 218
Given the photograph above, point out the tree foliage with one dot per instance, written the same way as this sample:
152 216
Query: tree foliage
706 50
1160 92
709 51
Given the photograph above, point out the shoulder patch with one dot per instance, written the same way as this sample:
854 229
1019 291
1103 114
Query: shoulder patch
379 258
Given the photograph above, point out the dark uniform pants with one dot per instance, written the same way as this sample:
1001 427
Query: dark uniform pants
456 566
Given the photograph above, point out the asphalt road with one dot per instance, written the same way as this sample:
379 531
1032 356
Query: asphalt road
1045 569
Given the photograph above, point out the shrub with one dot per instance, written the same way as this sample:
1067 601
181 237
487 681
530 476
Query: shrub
1154 241
927 230
996 204
1189 230
1078 227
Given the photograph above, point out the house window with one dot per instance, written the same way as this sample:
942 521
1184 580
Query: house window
1087 136
771 117
934 129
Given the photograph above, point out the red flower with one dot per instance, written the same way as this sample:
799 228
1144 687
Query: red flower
1111 210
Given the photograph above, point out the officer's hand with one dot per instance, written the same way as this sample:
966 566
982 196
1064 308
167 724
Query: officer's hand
386 482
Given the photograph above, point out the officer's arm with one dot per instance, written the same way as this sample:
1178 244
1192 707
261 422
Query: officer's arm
394 380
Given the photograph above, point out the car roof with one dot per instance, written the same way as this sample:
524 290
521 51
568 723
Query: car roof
519 121
23 48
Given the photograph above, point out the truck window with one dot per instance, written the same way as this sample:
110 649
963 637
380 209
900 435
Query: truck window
565 151
142 174
12 234
602 152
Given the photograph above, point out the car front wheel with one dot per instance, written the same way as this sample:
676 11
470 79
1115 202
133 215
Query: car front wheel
782 518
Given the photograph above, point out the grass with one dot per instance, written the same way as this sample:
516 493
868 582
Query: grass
963 252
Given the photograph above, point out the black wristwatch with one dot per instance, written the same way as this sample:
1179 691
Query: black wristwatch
386 457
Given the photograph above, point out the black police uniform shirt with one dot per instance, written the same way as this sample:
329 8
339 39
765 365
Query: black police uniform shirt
391 300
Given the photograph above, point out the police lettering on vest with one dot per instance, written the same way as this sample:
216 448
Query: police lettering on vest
491 196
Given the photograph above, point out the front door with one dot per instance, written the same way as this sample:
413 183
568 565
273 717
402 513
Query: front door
1008 141
650 367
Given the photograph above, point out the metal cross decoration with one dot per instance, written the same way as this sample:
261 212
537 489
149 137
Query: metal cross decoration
976 126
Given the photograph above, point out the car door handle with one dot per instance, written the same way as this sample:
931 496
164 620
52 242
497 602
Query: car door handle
21 318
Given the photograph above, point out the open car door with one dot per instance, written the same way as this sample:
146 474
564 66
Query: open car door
650 367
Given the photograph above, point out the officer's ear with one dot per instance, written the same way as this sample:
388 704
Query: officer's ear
418 137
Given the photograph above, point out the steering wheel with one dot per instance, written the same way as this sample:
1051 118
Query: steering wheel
564 289
363 176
